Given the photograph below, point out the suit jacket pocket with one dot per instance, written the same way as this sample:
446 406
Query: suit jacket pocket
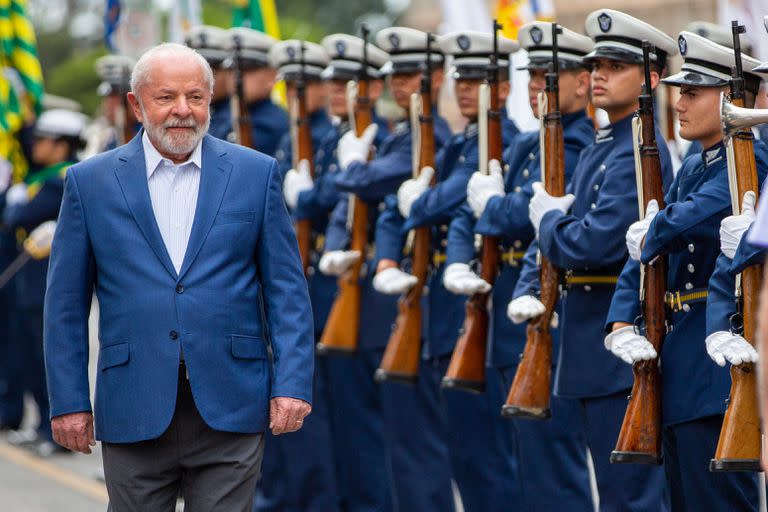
114 355
235 217
248 347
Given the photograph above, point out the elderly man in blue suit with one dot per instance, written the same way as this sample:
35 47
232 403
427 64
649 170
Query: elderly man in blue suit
190 250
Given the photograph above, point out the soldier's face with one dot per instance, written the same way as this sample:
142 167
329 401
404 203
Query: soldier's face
467 95
46 151
699 112
222 83
615 85
173 104
337 97
536 83
257 84
403 85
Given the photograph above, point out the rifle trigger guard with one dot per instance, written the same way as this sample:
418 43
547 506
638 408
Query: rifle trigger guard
638 325
737 323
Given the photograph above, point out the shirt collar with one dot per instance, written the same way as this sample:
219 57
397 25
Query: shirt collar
153 158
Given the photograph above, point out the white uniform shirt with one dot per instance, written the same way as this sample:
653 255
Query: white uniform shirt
173 190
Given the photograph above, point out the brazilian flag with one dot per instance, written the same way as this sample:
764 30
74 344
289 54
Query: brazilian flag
259 15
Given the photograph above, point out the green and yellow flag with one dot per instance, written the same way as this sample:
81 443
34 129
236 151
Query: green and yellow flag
259 15
21 71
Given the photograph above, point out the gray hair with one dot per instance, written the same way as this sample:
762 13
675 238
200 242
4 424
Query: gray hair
140 74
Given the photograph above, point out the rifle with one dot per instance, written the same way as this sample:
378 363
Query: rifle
240 116
466 370
341 329
738 448
301 141
640 436
401 357
529 395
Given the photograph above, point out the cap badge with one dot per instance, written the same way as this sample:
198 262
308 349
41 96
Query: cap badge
291 52
683 45
394 40
537 35
463 42
341 48
605 22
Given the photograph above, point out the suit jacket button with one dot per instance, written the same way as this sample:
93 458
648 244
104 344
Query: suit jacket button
179 288
173 335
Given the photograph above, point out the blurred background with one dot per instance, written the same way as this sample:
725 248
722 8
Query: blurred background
72 34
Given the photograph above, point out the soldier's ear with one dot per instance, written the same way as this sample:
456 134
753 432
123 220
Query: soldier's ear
654 79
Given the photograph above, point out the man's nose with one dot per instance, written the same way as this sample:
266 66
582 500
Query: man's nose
181 107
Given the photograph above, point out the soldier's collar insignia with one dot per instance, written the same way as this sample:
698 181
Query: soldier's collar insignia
713 155
605 22
537 35
603 135
471 130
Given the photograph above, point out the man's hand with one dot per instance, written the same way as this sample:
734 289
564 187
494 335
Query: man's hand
482 188
393 281
412 189
631 347
297 181
352 148
287 414
723 346
74 431
543 203
636 233
732 228
458 278
335 263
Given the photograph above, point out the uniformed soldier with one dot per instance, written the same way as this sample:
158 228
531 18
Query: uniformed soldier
377 473
693 389
480 442
577 233
285 56
551 456
117 124
213 43
298 473
269 121
28 206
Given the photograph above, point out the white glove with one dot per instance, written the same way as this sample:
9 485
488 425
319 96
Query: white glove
393 281
38 243
297 181
6 170
524 308
636 232
624 343
412 189
723 346
459 279
541 203
335 263
352 148
17 194
481 187
732 228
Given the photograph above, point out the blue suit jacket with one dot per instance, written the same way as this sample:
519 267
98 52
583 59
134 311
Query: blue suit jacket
242 252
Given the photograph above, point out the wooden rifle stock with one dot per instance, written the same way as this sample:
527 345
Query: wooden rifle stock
739 446
242 121
341 333
466 370
303 150
403 351
531 388
639 440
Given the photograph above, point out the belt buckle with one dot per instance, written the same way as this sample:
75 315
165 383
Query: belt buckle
674 301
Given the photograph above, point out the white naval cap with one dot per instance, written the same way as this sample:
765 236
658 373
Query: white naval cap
254 46
472 51
707 64
346 54
407 49
763 68
58 122
286 57
115 73
619 36
210 42
536 39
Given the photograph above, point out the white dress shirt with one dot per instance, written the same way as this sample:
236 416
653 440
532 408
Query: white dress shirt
173 189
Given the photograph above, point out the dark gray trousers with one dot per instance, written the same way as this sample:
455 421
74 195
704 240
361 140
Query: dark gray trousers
212 470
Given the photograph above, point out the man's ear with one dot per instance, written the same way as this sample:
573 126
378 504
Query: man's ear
133 101
655 78
584 83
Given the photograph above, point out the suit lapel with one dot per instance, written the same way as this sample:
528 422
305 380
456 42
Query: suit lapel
213 182
132 176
